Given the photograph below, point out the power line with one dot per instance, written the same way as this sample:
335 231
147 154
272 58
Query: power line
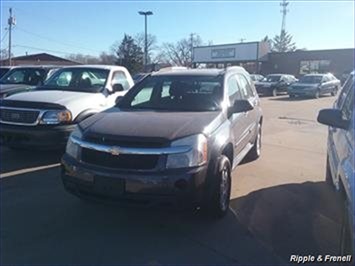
5 34
41 49
55 41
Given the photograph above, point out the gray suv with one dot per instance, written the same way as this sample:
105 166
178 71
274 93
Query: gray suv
340 158
173 139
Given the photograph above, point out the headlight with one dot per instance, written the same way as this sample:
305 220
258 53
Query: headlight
56 117
195 157
72 148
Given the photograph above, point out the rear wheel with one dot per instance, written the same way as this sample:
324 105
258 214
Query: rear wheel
217 206
255 152
334 91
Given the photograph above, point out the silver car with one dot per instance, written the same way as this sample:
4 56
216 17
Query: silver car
340 158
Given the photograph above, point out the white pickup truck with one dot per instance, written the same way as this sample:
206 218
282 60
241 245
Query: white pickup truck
46 116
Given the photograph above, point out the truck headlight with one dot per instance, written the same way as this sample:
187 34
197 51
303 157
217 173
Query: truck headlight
195 157
54 117
73 148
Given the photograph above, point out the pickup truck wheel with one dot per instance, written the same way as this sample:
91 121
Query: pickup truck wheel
217 206
255 152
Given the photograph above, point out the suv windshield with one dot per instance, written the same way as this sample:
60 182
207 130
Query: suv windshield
311 79
273 78
176 93
77 79
30 76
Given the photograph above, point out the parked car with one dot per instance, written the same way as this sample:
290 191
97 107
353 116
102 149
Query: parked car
273 84
4 70
45 116
315 85
24 78
139 76
256 77
173 139
340 157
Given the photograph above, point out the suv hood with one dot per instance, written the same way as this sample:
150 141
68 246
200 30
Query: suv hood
167 125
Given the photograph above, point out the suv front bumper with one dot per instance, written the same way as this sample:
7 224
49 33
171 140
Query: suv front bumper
170 188
35 136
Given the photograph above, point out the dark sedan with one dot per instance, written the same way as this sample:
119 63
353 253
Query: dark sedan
23 78
315 85
274 84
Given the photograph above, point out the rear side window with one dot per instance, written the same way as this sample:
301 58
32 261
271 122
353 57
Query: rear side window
234 92
345 91
245 87
120 77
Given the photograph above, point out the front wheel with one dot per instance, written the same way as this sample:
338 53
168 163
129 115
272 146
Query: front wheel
274 92
217 206
317 94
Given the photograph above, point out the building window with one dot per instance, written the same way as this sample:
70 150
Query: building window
314 66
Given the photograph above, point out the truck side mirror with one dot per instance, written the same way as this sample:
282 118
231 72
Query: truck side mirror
333 118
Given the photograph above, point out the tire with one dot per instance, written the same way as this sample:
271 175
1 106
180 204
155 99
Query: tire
292 96
317 94
274 92
218 204
328 175
334 92
346 239
255 152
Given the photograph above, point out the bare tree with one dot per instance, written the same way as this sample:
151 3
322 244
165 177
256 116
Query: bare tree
84 59
151 43
4 54
180 53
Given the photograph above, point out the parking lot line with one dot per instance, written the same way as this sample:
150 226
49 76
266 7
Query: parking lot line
28 170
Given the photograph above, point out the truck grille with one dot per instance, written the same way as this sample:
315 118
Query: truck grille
18 116
122 161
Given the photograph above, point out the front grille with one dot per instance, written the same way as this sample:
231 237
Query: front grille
122 161
18 116
130 142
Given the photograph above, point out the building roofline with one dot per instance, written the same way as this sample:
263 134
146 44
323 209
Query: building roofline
306 51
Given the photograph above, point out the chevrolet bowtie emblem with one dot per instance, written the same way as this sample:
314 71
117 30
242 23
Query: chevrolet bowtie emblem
115 151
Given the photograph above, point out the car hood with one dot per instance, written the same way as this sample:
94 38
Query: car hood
263 83
151 124
4 88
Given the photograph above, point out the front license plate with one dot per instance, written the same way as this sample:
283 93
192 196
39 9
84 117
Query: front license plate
109 186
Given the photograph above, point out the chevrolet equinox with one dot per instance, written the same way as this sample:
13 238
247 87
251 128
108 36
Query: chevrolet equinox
173 139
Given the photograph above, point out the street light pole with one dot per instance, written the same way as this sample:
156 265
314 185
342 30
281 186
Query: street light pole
145 14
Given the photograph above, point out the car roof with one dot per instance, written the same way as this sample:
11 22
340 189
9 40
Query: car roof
198 71
107 67
35 66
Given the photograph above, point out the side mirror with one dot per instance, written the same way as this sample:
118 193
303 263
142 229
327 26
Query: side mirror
241 106
118 99
333 118
117 87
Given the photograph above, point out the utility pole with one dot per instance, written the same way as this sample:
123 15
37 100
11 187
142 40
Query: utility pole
192 47
284 11
145 14
10 22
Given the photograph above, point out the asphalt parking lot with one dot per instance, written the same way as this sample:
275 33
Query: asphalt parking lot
280 206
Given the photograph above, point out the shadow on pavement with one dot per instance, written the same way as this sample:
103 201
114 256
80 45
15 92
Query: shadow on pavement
300 219
13 160
296 99
43 224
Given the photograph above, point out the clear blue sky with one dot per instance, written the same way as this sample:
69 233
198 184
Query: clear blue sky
90 27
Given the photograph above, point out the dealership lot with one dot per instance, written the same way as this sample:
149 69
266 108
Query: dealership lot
280 206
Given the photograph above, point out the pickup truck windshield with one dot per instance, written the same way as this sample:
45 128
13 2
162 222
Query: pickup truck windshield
29 76
175 93
310 79
77 79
